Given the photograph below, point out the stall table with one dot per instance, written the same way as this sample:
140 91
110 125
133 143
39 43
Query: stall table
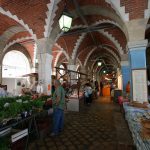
133 116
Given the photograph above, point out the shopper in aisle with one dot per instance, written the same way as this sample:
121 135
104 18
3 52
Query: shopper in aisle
88 94
58 108
128 88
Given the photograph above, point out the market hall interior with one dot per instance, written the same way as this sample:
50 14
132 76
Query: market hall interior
103 44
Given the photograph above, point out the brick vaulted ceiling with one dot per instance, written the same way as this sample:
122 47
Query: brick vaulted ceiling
27 19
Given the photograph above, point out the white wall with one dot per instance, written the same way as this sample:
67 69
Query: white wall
12 85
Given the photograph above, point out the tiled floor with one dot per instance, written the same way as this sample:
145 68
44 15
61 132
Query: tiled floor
100 126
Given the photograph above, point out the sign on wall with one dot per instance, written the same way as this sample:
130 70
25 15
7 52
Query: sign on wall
139 80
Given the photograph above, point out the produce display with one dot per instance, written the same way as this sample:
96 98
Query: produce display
19 109
139 124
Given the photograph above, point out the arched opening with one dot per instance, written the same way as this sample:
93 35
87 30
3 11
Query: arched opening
14 65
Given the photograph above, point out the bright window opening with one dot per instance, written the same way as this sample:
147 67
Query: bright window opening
62 71
15 64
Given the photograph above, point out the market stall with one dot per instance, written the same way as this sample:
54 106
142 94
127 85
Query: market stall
135 115
21 118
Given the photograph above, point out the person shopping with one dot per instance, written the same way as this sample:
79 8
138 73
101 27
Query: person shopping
58 108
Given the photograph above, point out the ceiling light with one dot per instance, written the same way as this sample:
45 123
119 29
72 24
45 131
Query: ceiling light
99 63
65 20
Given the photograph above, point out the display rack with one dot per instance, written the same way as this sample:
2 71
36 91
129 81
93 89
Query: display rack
73 82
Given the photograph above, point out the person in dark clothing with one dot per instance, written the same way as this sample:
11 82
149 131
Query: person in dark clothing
101 88
53 89
96 87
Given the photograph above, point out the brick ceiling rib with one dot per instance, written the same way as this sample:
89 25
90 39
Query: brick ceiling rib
84 54
62 58
32 12
119 36
87 42
135 8
96 53
5 23
55 48
71 7
90 19
29 45
54 53
68 42
101 53
19 35
20 48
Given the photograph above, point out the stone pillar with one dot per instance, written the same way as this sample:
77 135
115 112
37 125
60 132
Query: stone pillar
1 78
125 71
137 57
119 77
83 70
72 66
45 64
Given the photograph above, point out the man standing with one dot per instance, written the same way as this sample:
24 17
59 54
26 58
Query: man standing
58 108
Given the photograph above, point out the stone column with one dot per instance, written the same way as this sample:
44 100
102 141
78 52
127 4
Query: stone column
83 70
119 77
72 66
137 58
137 55
125 71
1 78
45 64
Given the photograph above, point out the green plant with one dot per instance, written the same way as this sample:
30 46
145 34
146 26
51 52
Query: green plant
27 106
13 109
38 103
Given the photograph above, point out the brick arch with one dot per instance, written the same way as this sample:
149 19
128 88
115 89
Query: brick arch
91 10
68 43
19 36
52 8
82 3
61 49
21 22
93 65
62 58
108 50
23 41
119 9
18 47
31 14
6 23
136 9
87 41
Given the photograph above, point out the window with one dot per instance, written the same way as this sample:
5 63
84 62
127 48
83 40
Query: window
15 64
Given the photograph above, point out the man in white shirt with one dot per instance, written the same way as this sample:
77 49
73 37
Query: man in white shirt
39 88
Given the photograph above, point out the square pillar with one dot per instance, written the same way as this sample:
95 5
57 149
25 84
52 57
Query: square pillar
45 71
125 70
137 55
44 64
